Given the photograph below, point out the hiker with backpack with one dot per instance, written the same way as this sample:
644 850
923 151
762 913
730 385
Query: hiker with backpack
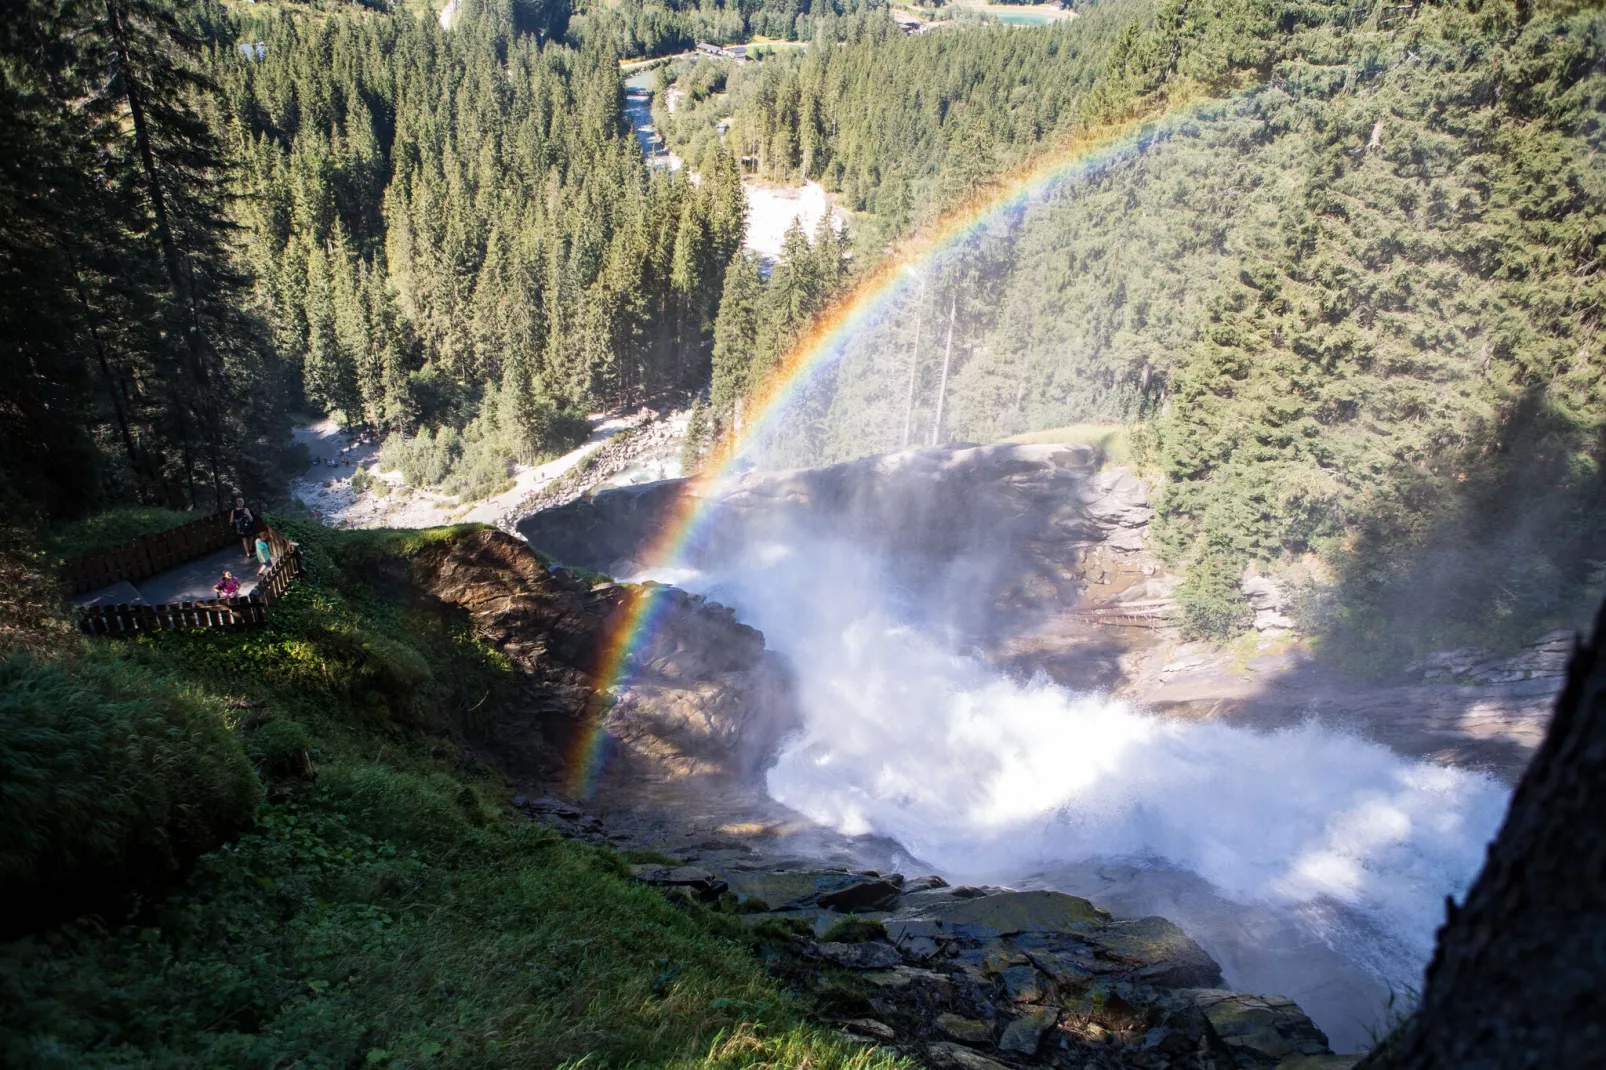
245 526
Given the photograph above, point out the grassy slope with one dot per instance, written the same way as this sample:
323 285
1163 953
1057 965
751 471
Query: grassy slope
393 911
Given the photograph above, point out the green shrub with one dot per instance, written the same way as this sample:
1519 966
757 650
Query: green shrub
115 780
374 668
103 531
1212 605
279 748
853 930
424 809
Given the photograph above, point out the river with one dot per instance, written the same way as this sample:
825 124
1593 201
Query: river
1309 861
638 111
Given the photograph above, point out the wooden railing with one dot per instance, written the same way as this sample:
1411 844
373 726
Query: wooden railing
146 555
137 560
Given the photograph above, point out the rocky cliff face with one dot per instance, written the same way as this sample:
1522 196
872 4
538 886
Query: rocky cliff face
705 697
967 978
986 532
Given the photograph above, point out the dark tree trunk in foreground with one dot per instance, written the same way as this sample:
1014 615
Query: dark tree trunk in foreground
1519 975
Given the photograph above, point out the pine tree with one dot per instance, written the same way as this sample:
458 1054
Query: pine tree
735 342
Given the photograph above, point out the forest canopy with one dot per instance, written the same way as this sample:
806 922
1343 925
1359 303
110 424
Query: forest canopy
1342 289
1346 298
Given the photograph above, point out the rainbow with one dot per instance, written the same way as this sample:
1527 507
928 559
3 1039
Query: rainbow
638 615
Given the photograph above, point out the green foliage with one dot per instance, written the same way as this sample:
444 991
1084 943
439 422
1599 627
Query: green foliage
475 462
279 747
1346 312
1211 604
103 531
699 438
394 911
659 28
456 232
138 367
854 930
1112 443
116 778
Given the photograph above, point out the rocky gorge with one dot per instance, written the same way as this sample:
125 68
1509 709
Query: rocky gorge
1040 558
1035 562
970 977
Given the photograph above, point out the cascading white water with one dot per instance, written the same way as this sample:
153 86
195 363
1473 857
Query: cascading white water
1311 863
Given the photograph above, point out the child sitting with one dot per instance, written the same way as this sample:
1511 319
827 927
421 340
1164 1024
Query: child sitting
228 586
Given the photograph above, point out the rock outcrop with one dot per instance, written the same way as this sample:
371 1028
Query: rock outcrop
987 530
1516 977
987 978
1270 603
1543 659
705 698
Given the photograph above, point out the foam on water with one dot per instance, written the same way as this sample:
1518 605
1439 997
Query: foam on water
1336 839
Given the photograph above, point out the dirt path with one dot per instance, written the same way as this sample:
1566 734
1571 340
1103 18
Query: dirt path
189 582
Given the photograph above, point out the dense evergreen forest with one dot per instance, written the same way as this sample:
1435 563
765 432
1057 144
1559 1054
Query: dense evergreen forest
446 235
1348 312
1342 290
642 28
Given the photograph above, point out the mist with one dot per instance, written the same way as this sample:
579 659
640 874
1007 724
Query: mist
1309 862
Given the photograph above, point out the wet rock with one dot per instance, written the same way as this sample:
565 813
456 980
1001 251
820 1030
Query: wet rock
1320 1062
921 884
792 888
871 1028
1163 953
996 958
1271 1026
900 977
856 898
1025 985
871 955
991 916
918 948
1023 1034
1071 970
965 1030
701 883
956 1057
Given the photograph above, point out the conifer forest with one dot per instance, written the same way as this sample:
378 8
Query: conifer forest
1283 323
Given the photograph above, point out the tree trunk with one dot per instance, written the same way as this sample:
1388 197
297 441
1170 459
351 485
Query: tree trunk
1519 976
112 392
177 275
909 397
947 356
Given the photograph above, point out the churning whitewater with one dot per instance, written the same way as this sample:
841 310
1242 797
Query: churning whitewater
1335 839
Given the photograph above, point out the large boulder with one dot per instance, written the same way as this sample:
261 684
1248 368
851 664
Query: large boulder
704 697
991 916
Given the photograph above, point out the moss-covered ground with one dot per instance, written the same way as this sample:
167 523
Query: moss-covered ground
389 910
